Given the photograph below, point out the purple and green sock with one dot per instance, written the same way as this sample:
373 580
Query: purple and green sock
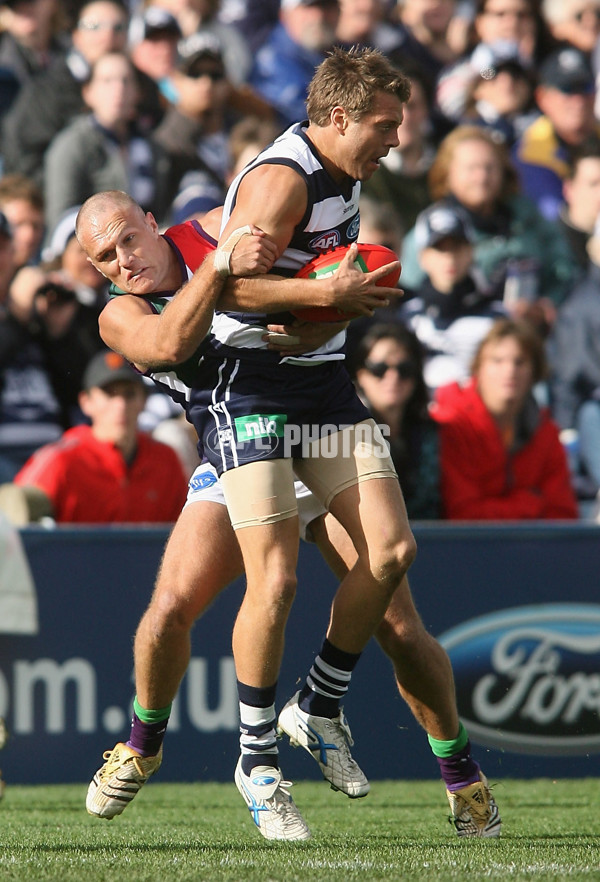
457 767
148 728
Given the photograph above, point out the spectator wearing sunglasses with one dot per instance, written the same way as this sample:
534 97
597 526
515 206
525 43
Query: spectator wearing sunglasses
195 129
387 366
543 154
452 308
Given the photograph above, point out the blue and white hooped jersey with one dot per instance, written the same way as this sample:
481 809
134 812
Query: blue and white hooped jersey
331 219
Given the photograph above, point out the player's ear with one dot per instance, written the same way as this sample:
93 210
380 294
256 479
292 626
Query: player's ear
339 119
151 221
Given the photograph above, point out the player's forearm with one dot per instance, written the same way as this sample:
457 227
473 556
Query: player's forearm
349 290
270 293
186 320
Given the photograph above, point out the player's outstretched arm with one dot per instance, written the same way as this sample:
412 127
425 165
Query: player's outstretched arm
348 289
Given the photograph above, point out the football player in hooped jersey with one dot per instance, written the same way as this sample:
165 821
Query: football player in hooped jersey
160 333
125 244
258 414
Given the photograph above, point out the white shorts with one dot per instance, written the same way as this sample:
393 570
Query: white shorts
204 486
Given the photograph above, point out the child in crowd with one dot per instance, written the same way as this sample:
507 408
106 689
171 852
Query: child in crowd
453 308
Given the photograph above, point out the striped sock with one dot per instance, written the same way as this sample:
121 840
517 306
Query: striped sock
258 733
328 681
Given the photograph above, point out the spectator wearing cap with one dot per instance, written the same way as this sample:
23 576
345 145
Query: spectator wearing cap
153 36
204 17
543 154
452 309
522 256
497 24
194 131
107 471
501 457
500 95
64 256
51 99
284 65
104 149
22 201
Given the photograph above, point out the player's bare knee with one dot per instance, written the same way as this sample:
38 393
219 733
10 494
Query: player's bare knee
276 595
407 551
169 611
392 561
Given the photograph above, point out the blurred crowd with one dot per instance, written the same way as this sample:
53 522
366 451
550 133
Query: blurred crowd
486 372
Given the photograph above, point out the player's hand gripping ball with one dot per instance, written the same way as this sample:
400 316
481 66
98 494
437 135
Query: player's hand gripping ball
370 257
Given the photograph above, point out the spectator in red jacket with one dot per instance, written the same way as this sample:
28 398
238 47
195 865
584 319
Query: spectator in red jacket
108 471
501 457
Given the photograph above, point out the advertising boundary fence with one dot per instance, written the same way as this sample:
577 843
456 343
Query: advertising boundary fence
517 607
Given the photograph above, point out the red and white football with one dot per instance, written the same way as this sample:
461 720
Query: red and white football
370 257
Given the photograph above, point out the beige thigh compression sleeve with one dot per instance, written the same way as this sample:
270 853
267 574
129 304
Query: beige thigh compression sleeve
260 493
356 453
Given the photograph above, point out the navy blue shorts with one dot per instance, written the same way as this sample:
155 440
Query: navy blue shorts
246 411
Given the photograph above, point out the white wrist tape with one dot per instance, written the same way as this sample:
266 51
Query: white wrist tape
222 259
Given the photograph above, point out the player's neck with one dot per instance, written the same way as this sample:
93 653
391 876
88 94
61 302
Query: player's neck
173 277
320 138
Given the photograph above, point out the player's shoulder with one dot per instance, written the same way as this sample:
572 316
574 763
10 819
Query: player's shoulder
292 151
190 233
122 303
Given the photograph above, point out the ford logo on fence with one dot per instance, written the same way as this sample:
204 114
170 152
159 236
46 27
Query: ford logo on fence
528 678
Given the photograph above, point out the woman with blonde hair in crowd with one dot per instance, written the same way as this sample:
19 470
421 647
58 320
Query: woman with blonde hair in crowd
522 256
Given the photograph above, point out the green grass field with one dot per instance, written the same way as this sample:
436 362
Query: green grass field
551 830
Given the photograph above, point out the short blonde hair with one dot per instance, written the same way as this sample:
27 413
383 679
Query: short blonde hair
351 79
